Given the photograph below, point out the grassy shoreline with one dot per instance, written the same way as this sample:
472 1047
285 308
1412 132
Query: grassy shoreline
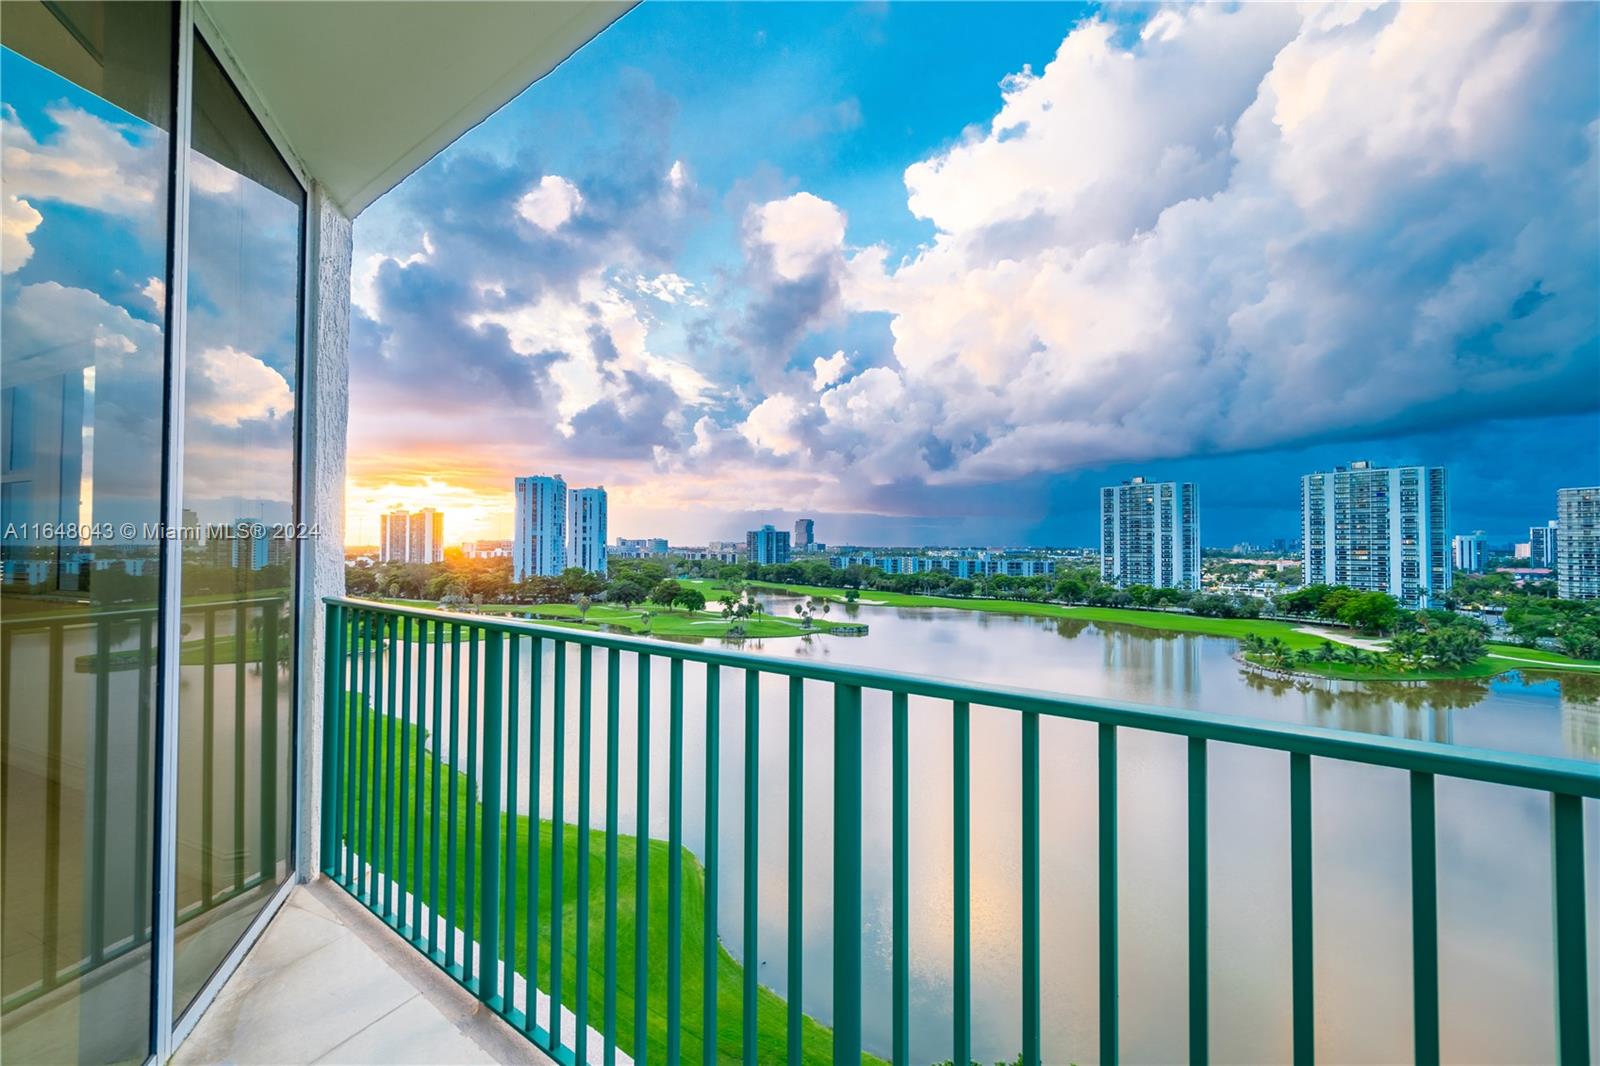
771 1009
648 621
1501 658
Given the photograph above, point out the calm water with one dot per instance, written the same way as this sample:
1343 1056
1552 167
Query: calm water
1496 936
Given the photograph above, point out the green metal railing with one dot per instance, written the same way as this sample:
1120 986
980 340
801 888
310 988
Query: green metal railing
382 810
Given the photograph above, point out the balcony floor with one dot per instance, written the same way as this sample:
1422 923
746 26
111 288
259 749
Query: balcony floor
329 983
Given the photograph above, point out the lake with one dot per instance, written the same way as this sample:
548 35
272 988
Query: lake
1493 843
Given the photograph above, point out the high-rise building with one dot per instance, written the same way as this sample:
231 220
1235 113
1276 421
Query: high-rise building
394 536
539 544
640 547
411 536
1467 551
586 523
1378 529
1150 534
1542 545
767 545
425 541
805 534
1578 543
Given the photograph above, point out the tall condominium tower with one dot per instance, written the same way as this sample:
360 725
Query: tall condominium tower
767 545
1150 534
1578 543
586 540
539 547
1378 529
411 536
805 534
1542 545
1467 551
394 533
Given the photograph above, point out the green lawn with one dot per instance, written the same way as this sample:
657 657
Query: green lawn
771 1011
1500 659
646 620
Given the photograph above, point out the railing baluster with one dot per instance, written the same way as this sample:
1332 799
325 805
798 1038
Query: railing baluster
436 922
641 889
1109 1042
1424 921
370 756
752 830
961 770
1030 890
901 815
349 870
1199 907
453 785
1570 901
390 771
332 720
847 874
474 864
558 835
419 655
613 737
797 852
585 733
402 651
378 795
508 952
1305 1027
675 865
489 879
535 827
708 982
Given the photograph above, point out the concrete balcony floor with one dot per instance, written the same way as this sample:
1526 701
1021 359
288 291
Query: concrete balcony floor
329 983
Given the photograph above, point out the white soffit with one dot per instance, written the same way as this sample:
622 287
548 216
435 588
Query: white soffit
363 92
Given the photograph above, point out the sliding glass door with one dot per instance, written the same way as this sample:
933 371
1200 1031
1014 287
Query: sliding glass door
122 408
241 369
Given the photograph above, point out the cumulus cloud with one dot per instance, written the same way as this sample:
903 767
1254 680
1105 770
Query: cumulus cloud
828 370
18 220
1249 227
798 232
228 387
86 161
549 204
773 424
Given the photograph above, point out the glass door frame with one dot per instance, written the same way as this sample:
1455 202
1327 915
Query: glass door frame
168 1029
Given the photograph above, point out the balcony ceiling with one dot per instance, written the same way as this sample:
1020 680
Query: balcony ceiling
364 92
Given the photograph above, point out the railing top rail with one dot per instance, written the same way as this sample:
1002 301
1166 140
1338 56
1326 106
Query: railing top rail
1544 773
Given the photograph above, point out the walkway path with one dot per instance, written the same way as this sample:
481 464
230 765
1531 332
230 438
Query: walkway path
1365 643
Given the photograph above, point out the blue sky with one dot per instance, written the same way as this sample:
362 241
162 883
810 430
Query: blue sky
932 273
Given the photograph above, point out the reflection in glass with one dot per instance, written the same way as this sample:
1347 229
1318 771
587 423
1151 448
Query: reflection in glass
242 353
87 109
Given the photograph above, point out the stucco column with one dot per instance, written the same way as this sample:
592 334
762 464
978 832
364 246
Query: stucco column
325 396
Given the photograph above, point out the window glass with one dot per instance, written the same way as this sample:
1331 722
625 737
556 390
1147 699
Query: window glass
240 378
85 153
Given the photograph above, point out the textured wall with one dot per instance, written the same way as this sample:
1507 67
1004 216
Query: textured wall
327 409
